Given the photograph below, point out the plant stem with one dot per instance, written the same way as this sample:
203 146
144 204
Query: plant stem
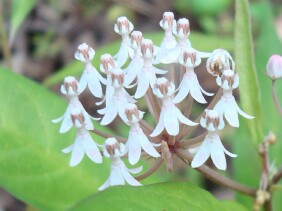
275 99
153 104
107 135
153 168
276 178
4 42
216 177
191 141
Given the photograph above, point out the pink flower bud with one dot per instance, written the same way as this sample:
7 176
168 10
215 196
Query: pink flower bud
274 67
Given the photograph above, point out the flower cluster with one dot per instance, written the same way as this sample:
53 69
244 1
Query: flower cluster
164 100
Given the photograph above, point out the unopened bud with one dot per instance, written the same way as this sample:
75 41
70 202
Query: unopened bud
167 157
274 67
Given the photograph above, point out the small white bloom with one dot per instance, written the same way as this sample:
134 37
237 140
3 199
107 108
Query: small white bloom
168 24
190 84
211 146
83 142
123 27
137 140
117 98
227 105
71 88
90 76
147 76
274 67
170 116
119 172
219 61
135 66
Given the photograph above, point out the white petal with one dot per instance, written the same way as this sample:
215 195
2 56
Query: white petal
147 146
105 185
171 122
135 170
116 175
196 90
77 153
217 154
205 92
83 81
204 54
122 55
159 71
91 149
66 124
242 113
67 149
172 56
134 149
160 126
142 87
194 150
182 118
94 85
202 154
230 113
88 123
58 119
110 115
129 179
184 89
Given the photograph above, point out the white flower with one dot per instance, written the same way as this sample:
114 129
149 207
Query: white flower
137 140
211 146
168 24
136 64
147 76
83 142
190 84
123 27
117 99
170 115
227 105
119 172
90 76
71 89
219 61
274 67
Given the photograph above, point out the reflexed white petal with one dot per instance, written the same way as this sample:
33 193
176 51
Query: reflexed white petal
63 90
135 170
182 118
66 124
129 179
88 123
230 113
160 126
172 56
102 111
202 154
131 72
218 81
242 113
58 119
159 71
116 175
219 107
206 93
94 85
67 149
110 115
171 122
236 81
91 149
194 150
122 55
142 87
217 154
105 185
77 153
147 146
204 54
134 149
161 54
196 90
83 81
184 89
109 93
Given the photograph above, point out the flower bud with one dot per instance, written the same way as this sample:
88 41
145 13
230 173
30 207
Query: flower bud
228 80
168 22
123 26
112 148
211 120
147 48
70 86
84 53
271 138
77 117
136 39
107 63
183 28
274 67
190 58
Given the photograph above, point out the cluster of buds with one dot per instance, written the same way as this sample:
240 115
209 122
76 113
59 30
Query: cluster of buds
172 122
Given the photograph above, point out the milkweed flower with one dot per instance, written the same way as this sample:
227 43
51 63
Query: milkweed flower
119 172
135 66
147 76
137 140
118 99
190 59
274 67
168 24
123 27
211 146
83 143
219 61
90 76
170 115
71 89
227 105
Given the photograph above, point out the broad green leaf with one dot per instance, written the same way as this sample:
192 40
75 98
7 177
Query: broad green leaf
163 196
20 9
199 41
244 58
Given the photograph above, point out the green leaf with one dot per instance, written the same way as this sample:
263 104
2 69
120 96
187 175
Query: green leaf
199 41
163 196
20 9
244 58
33 168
